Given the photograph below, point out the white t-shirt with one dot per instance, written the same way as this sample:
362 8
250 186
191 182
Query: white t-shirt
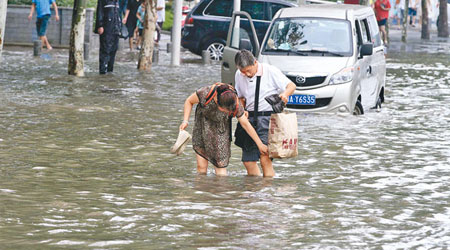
402 5
161 13
413 3
273 81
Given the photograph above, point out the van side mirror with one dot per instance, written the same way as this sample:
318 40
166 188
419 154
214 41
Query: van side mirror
366 50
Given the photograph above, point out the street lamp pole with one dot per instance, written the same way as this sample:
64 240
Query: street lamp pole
176 33
235 38
3 7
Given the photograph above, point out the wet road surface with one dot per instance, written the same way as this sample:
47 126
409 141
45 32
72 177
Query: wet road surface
85 164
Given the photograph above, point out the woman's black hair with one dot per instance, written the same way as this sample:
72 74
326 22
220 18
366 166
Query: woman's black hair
226 97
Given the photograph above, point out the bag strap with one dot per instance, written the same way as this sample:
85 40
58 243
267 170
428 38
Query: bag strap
212 93
255 109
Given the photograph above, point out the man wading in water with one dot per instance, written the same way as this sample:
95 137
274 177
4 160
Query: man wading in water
271 81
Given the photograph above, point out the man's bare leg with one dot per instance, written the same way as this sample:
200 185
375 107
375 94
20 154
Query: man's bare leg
266 165
252 168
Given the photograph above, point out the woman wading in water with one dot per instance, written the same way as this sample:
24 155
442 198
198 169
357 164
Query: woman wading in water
211 139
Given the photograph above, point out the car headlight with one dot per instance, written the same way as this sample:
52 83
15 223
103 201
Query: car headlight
343 76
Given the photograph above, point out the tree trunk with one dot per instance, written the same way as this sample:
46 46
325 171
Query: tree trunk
425 21
145 55
405 21
76 52
3 8
443 19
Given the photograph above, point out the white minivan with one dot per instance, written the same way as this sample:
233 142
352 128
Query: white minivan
332 52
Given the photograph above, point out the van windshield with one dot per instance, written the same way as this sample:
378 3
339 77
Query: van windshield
310 37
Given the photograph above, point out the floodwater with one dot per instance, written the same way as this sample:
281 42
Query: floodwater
85 164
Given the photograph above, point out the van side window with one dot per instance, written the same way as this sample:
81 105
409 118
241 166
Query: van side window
274 8
365 31
373 26
358 33
254 8
219 8
242 38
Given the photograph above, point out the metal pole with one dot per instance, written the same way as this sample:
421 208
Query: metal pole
206 57
405 21
237 5
86 51
155 55
37 45
235 39
176 33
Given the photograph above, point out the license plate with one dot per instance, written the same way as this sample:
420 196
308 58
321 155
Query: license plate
302 99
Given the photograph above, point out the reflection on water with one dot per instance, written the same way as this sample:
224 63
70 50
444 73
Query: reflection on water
85 163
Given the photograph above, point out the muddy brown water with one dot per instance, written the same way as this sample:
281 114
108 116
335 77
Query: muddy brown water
85 164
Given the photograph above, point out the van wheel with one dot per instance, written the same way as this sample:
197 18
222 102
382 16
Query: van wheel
378 105
358 108
215 49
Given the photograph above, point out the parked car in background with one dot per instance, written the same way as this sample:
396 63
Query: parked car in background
184 12
333 53
206 26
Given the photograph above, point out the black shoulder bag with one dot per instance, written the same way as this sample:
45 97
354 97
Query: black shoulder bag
243 140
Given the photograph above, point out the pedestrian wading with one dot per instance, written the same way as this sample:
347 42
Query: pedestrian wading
216 106
108 26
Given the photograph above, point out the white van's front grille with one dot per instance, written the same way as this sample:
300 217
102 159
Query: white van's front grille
302 81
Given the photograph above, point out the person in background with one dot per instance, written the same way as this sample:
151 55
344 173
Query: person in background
401 6
122 7
273 81
412 11
396 12
130 20
382 8
140 23
107 25
43 14
161 13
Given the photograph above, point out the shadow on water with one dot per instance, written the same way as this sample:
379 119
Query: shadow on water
86 164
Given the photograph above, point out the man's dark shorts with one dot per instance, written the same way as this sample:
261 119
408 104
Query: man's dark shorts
412 12
382 22
41 25
263 133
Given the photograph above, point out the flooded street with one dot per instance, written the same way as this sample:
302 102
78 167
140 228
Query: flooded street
85 164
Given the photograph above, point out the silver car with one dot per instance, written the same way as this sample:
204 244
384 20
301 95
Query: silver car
333 53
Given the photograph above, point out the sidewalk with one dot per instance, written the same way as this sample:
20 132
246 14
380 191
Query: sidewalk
414 43
123 44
